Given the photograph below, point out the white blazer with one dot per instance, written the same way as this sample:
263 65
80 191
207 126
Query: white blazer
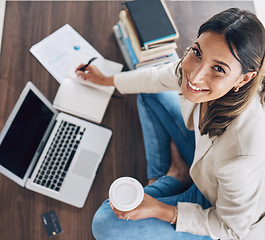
228 170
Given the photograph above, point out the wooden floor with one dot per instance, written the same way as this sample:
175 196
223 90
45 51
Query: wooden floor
27 23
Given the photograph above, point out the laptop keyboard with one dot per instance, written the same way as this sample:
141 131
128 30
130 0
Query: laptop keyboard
59 156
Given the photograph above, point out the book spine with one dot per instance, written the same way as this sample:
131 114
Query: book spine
153 22
156 55
131 33
122 47
127 42
146 44
171 58
153 62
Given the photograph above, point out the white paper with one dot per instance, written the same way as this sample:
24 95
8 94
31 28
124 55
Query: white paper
57 51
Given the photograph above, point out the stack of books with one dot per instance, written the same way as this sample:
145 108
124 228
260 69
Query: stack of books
146 34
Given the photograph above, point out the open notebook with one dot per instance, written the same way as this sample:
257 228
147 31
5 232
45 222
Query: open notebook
84 98
61 53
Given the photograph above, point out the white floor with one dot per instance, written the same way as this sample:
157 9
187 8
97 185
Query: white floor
259 7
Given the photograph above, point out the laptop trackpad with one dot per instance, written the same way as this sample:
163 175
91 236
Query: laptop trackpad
86 164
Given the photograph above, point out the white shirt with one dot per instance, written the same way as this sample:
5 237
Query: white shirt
196 116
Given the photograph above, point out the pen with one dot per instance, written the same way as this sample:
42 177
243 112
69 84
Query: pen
90 61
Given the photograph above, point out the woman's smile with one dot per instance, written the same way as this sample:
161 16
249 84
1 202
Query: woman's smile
193 88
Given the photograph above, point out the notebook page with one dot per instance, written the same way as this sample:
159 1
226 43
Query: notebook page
79 100
57 51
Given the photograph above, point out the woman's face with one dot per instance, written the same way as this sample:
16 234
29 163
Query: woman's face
209 69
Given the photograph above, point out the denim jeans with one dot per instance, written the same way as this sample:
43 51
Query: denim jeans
161 121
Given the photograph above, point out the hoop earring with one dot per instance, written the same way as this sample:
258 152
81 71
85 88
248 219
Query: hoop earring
236 89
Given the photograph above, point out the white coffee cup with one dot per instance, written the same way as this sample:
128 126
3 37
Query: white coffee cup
126 193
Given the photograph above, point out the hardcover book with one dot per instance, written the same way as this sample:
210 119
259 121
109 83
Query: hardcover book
144 55
152 21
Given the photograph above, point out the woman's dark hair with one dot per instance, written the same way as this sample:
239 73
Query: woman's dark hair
245 37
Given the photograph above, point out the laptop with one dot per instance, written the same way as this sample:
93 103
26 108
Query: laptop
51 153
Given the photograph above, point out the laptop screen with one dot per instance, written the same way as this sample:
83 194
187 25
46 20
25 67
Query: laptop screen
24 135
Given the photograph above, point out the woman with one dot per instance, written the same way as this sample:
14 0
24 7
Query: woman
221 93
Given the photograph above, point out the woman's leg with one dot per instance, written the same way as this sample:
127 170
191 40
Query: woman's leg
161 121
164 189
106 226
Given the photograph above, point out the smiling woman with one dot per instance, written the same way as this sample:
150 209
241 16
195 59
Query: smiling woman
230 38
214 124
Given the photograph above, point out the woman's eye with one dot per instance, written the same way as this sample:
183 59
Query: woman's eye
196 52
219 69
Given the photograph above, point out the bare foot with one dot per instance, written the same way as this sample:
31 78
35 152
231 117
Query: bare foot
179 168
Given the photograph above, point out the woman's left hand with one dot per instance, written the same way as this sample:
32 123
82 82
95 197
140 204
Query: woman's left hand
149 208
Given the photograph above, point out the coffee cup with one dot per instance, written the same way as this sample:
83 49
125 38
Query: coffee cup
126 193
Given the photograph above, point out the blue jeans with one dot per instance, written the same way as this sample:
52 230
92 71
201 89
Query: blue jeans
161 121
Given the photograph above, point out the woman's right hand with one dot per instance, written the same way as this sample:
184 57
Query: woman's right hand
92 73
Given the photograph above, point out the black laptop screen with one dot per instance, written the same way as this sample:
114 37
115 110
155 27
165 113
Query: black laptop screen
24 135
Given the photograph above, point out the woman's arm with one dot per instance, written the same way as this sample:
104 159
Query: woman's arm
148 80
